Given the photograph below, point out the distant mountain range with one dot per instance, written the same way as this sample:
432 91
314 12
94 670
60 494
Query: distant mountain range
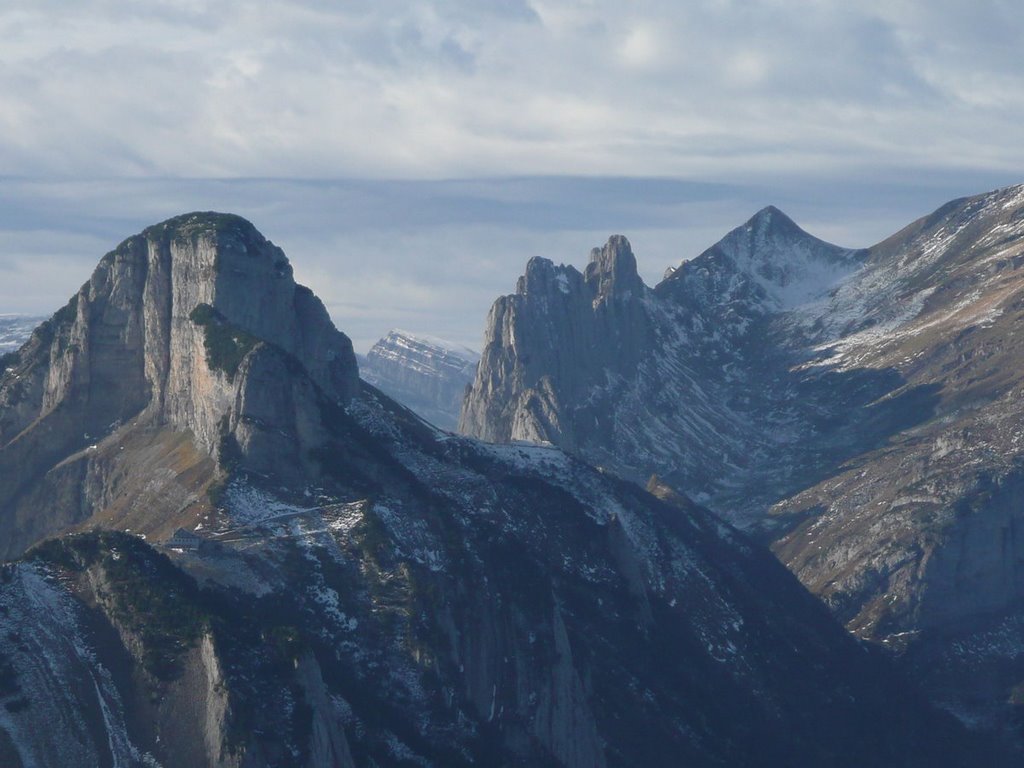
227 550
425 373
860 409
15 329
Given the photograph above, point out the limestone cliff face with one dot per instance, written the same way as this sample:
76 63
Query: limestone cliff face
188 325
122 658
547 346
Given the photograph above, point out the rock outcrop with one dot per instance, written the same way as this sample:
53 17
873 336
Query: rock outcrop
424 373
360 588
562 335
194 325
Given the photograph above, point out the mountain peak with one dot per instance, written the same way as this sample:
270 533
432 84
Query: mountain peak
612 268
195 324
236 243
785 266
203 221
425 373
436 343
772 223
227 234
617 247
768 212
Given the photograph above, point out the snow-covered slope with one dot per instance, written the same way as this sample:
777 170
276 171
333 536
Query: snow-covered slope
773 261
425 373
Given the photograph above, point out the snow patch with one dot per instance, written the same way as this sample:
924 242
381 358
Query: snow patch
248 505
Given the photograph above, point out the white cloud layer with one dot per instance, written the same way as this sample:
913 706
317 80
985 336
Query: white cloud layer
460 88
561 121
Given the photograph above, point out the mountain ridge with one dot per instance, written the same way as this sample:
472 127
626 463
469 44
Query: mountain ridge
861 426
355 585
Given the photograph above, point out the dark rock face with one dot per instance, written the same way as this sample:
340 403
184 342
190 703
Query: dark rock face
426 374
560 336
856 407
372 591
679 381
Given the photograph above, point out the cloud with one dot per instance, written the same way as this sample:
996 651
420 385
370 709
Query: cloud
405 153
455 88
643 47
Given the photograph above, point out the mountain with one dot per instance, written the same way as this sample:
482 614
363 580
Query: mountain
178 350
14 330
427 374
316 577
561 337
689 381
857 407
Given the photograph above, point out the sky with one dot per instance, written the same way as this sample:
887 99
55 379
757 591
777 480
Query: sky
410 157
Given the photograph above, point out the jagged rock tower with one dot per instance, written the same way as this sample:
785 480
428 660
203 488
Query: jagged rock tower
552 341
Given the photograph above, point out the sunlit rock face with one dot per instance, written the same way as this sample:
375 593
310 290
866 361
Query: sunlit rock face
180 327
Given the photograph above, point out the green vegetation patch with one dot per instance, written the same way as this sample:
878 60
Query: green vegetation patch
226 344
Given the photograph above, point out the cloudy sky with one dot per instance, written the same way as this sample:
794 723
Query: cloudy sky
411 156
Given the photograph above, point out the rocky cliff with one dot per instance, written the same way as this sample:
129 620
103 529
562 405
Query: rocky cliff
562 335
358 588
425 373
858 407
190 325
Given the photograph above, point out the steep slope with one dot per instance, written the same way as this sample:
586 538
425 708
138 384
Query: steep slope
579 330
191 325
860 407
383 593
424 373
917 540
